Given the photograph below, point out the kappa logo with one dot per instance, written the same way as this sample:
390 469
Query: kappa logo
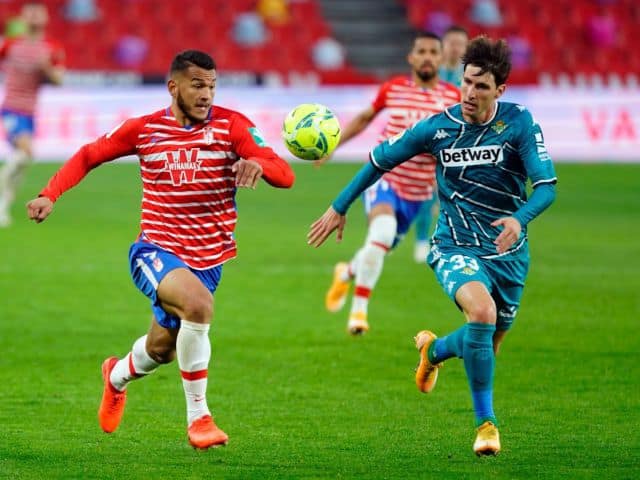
440 134
183 165
462 157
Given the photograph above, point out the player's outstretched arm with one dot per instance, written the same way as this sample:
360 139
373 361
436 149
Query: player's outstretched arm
39 208
325 226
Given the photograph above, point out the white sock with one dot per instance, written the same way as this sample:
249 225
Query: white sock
350 273
137 363
193 349
11 175
370 259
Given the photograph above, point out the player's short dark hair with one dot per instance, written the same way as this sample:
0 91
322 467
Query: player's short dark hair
455 29
493 56
427 34
187 58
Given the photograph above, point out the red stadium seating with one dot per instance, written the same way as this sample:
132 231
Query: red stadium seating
557 31
172 25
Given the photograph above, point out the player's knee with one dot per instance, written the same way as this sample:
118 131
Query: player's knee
161 353
484 312
25 150
382 230
199 308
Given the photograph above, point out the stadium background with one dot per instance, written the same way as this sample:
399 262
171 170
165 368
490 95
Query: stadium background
299 398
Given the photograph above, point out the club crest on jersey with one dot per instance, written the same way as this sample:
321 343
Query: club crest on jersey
183 165
499 127
463 157
208 135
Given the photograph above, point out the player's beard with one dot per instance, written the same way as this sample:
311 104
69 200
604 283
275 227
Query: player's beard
426 76
185 110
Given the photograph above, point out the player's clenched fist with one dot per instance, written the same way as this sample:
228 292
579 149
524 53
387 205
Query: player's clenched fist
248 172
39 208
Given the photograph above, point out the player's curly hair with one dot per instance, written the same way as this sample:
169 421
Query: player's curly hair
492 56
185 59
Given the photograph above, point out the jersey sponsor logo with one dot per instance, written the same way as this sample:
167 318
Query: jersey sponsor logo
257 137
183 165
462 157
440 134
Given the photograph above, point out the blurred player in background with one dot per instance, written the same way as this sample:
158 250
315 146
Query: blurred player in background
454 43
486 150
29 61
393 202
193 157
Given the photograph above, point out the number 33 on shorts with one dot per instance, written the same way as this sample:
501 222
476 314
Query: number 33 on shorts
454 270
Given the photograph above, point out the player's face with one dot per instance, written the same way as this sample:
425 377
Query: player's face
193 91
453 46
479 94
35 16
425 58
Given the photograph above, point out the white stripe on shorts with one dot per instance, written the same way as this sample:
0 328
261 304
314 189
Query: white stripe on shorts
148 273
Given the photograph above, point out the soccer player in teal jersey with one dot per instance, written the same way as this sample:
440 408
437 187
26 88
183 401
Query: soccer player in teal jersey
486 151
454 43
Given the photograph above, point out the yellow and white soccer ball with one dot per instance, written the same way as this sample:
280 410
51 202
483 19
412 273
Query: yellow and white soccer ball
311 131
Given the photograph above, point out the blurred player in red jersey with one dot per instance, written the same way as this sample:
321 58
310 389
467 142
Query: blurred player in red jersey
394 201
29 61
193 156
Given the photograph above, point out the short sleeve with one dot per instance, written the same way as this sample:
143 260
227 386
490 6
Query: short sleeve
380 101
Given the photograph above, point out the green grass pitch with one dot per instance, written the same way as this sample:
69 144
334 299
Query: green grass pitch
297 396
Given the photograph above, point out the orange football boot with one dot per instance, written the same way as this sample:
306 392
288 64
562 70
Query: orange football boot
487 440
113 401
337 294
358 324
204 433
426 372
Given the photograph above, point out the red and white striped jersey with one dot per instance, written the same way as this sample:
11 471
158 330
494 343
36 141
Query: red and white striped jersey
23 58
188 199
407 103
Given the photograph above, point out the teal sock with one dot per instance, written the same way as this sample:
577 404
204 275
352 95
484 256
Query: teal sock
423 220
448 346
479 363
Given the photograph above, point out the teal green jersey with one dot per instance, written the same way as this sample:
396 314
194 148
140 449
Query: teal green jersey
452 75
482 172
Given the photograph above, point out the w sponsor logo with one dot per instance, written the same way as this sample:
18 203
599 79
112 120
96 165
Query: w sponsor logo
183 165
461 157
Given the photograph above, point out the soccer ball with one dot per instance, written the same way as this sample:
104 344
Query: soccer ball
311 131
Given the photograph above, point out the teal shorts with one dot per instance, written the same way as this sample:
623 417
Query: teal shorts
503 278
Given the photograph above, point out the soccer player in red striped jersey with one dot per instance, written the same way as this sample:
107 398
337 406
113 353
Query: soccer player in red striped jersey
393 203
29 61
193 156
